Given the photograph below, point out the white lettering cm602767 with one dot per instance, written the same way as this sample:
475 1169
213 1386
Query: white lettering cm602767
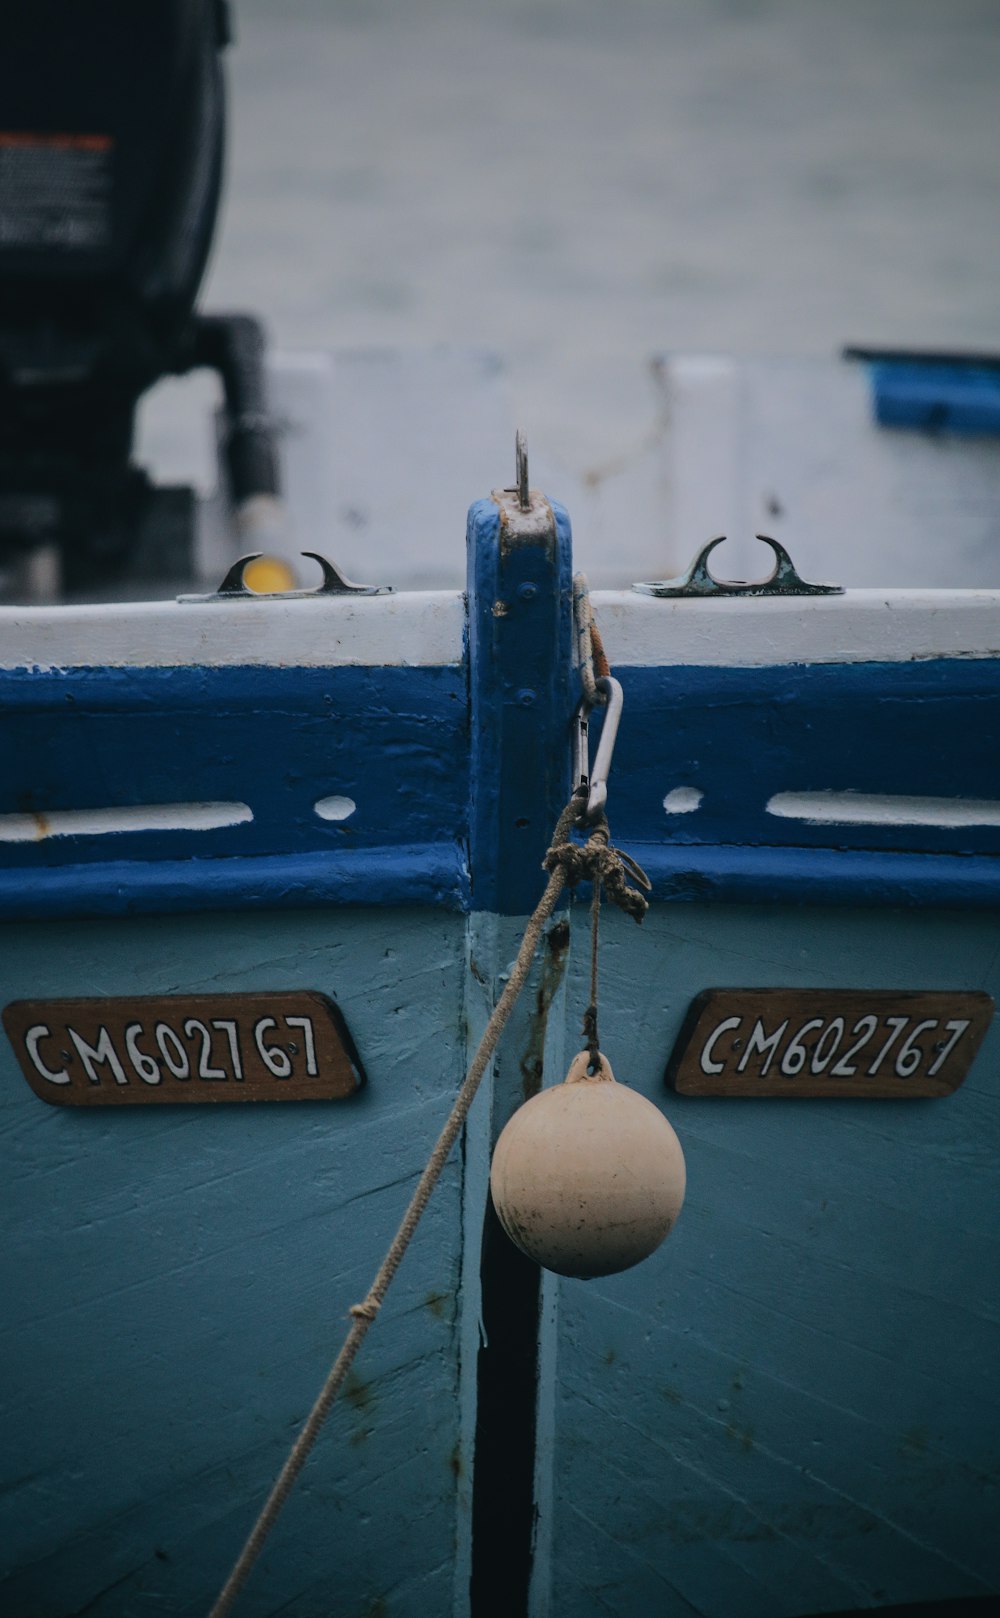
902 1045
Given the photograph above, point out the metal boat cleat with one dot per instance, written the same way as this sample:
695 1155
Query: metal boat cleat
334 583
698 581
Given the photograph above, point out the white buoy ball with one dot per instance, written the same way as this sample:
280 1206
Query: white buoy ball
588 1177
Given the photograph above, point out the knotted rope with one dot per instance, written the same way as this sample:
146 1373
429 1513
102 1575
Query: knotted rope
599 862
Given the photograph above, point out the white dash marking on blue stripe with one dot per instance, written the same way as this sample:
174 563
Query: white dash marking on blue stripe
883 809
34 828
335 808
683 800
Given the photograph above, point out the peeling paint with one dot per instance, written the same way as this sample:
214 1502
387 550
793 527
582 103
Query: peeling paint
359 1395
743 1436
914 1443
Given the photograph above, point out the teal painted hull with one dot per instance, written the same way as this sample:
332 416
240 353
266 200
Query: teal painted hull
177 1283
794 1395
791 1407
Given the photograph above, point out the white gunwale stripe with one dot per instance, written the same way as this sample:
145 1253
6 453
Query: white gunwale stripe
38 827
861 626
426 628
411 629
883 809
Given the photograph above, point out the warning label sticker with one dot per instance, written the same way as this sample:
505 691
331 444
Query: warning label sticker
55 191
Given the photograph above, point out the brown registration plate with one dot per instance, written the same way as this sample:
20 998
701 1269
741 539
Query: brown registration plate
286 1046
828 1042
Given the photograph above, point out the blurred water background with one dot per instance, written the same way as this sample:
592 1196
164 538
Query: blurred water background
577 183
576 187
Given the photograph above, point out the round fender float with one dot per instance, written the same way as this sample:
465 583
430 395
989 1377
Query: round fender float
588 1177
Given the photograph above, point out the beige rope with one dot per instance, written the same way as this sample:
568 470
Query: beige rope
590 648
364 1313
567 864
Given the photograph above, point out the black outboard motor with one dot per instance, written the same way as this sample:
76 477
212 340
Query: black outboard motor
111 143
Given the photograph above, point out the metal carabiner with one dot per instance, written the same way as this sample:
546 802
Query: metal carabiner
597 780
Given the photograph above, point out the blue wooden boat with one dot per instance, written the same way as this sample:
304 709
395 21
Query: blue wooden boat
789 1409
280 850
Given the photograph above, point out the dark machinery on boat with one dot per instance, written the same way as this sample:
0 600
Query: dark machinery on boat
111 150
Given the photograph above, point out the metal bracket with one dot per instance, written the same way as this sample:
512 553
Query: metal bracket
334 584
596 779
698 581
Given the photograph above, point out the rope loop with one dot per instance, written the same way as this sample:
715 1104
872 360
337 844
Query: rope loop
365 1311
591 655
598 861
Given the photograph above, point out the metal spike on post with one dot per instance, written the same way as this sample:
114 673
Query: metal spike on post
521 469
